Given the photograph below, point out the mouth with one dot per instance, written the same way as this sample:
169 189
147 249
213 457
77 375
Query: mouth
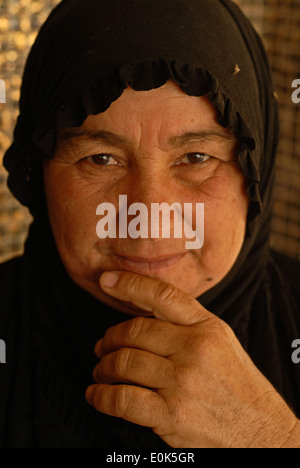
148 265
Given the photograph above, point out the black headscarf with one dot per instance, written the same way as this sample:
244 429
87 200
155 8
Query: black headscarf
85 55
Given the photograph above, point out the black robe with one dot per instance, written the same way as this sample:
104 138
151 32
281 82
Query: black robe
50 327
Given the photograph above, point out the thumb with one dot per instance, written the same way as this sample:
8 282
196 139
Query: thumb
165 301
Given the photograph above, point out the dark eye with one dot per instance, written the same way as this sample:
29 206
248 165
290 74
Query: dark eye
196 158
102 160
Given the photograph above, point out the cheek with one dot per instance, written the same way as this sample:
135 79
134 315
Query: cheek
72 206
226 192
69 196
226 208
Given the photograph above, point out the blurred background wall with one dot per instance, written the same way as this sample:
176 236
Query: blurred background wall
278 22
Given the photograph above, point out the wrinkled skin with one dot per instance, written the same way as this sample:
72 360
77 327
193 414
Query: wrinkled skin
153 165
202 389
175 367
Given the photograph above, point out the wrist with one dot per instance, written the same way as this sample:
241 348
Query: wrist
278 428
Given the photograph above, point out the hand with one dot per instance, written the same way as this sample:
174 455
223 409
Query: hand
185 374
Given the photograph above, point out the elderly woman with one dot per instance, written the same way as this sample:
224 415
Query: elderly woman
144 340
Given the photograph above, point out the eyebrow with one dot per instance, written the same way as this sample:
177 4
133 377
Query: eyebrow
202 135
176 141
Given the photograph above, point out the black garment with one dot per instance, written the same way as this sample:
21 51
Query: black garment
84 57
50 357
50 351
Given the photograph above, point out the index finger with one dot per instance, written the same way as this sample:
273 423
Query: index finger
164 300
155 336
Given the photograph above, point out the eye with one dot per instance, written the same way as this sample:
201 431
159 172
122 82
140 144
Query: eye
195 158
102 160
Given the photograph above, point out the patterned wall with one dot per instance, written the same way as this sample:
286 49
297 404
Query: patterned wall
19 23
276 20
279 24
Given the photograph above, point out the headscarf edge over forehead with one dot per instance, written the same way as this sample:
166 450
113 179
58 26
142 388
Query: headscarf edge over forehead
88 52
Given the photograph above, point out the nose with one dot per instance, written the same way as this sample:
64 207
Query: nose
153 202
153 185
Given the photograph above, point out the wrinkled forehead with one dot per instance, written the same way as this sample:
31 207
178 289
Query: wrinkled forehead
164 118
162 109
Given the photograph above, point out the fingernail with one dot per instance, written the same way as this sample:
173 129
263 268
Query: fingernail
109 279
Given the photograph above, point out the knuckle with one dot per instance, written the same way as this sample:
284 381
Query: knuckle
227 332
121 362
221 328
134 328
224 327
166 293
134 283
119 400
208 340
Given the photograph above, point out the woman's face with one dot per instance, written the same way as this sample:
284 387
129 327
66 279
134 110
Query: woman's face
158 146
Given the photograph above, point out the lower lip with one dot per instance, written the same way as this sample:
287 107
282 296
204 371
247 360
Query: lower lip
137 266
